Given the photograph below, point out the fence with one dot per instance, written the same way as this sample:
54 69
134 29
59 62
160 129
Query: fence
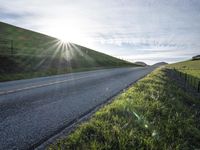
27 48
189 79
6 46
11 47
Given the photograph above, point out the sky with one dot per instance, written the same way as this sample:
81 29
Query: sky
135 30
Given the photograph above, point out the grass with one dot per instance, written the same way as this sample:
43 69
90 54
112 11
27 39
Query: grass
155 113
34 54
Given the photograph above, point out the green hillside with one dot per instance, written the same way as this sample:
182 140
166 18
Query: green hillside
191 67
27 54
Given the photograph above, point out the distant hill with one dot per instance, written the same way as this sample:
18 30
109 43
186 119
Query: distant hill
160 64
197 57
140 63
25 54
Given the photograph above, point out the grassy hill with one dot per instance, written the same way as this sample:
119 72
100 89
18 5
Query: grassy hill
26 54
191 67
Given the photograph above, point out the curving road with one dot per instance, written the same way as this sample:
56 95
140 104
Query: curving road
34 109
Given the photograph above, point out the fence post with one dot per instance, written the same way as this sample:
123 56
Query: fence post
196 83
185 77
192 81
189 79
199 86
11 47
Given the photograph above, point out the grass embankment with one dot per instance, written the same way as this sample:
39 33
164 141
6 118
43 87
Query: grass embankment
191 67
27 54
154 113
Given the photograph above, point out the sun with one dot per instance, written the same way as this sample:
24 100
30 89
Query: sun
67 32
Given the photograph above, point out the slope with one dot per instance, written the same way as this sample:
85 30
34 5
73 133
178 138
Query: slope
27 54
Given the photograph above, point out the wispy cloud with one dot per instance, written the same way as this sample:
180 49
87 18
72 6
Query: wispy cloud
118 27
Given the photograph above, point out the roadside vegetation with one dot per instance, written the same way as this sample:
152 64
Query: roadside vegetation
155 113
27 54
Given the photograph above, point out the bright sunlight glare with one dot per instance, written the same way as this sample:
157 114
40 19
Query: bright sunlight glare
67 31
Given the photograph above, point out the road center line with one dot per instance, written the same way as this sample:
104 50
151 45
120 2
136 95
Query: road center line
41 85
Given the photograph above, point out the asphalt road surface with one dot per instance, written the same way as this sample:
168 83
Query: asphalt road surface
34 109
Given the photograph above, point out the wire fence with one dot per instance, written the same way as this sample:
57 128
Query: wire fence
6 46
37 48
189 79
11 47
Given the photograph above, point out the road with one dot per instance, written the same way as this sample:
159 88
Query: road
32 110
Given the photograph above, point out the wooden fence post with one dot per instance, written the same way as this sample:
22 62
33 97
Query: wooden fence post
189 79
11 47
185 77
192 81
